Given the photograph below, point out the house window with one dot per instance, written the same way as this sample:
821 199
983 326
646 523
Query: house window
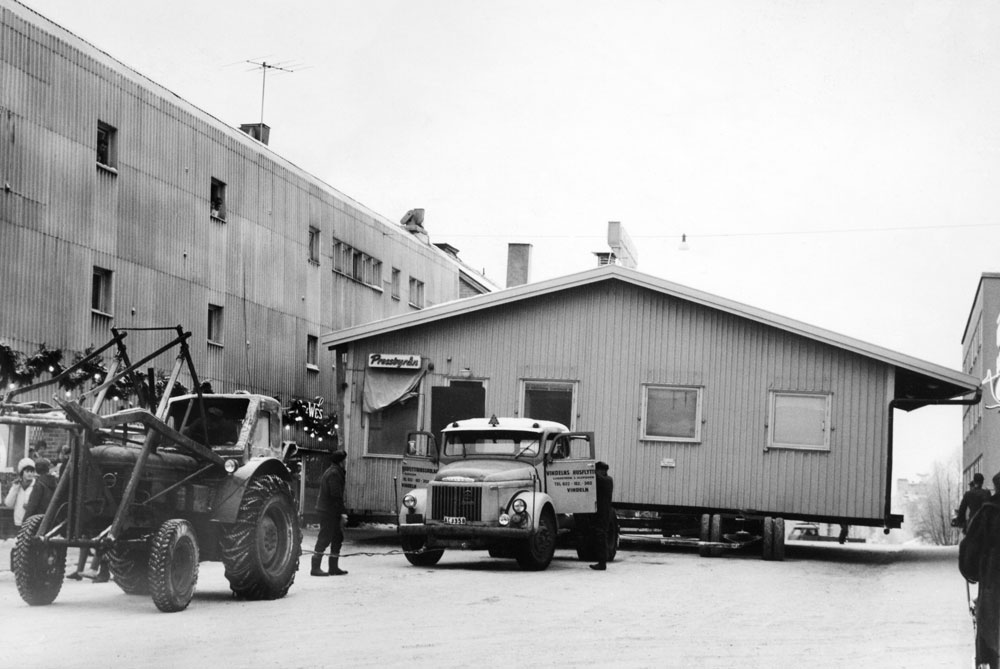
389 427
107 146
416 293
799 420
215 324
312 349
217 197
395 283
671 413
357 265
549 400
313 245
100 292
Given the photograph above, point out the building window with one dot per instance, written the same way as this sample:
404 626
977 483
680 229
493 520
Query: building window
313 245
396 274
215 325
416 293
671 413
799 420
389 427
357 265
101 295
312 351
549 400
217 197
107 154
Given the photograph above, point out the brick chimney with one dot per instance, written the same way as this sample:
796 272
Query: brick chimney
518 264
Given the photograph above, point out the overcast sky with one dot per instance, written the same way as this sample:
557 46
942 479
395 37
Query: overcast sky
834 162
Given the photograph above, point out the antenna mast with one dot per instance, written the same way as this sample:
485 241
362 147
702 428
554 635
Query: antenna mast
264 67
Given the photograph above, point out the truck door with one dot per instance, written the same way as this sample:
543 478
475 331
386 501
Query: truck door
569 472
419 462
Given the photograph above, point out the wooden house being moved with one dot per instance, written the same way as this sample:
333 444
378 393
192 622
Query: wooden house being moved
717 417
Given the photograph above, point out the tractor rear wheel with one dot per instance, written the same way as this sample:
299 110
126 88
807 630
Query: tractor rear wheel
261 549
38 569
129 564
173 565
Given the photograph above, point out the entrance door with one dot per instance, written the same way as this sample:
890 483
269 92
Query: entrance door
456 402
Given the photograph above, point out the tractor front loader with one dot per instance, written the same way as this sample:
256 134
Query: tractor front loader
157 490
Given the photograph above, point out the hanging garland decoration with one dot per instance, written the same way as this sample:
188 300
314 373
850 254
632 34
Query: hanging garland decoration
310 416
18 369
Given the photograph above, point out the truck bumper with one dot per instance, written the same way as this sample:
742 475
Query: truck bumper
464 532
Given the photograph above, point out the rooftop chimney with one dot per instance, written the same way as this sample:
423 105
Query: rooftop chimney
414 224
518 264
259 131
605 258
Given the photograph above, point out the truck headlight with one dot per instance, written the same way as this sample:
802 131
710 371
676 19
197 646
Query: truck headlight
519 506
410 502
504 520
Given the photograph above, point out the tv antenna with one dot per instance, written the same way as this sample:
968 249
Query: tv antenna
264 66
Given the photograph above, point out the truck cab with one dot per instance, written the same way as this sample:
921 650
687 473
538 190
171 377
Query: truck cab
507 485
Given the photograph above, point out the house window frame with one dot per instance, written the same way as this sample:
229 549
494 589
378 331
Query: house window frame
357 265
102 295
216 325
313 247
217 200
772 417
396 282
312 353
107 162
573 386
699 402
415 298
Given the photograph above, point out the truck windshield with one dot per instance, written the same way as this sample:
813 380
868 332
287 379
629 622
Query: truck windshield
493 442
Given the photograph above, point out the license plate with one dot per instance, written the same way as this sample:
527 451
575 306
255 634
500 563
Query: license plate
455 520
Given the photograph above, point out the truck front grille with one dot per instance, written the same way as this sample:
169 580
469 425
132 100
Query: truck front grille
463 501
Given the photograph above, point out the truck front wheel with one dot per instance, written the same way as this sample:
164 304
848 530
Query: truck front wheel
412 549
537 551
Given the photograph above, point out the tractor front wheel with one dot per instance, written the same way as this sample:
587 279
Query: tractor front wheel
38 569
173 565
261 549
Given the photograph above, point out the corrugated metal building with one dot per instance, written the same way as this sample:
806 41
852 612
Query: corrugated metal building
123 205
981 358
698 403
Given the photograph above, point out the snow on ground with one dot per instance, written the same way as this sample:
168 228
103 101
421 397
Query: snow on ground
827 605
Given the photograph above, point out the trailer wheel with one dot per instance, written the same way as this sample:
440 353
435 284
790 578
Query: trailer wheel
129 564
767 541
38 569
411 546
715 535
779 539
537 551
173 565
260 550
704 533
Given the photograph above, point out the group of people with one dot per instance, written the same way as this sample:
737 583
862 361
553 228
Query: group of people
34 486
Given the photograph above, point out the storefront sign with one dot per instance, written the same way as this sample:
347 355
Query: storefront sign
393 361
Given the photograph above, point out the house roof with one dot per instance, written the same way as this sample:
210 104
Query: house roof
916 378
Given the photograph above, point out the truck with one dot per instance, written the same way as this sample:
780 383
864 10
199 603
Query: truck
511 486
158 489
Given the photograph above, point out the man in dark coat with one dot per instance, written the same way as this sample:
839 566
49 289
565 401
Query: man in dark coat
42 491
974 498
602 522
330 506
981 550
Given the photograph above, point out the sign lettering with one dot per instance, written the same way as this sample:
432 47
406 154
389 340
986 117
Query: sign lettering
393 361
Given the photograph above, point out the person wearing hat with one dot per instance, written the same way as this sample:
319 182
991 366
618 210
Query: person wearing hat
42 491
602 522
20 491
973 498
330 506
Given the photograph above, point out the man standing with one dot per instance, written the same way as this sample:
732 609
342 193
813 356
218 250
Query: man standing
979 561
974 498
330 506
602 523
